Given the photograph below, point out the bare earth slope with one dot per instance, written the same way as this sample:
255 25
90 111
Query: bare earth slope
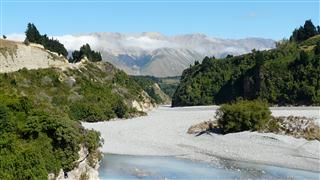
15 56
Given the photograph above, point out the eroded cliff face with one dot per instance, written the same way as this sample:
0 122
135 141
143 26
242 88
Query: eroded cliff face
16 55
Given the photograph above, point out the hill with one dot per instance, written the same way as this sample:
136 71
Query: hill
42 101
286 75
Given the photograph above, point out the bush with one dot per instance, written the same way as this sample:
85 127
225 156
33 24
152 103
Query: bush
243 116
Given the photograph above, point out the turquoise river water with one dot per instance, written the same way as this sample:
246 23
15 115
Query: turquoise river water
153 167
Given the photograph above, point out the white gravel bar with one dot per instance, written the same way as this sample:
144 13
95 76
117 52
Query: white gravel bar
163 133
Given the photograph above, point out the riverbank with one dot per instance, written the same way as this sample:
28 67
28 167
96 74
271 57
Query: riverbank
163 133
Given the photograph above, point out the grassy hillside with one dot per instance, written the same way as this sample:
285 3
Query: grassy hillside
286 75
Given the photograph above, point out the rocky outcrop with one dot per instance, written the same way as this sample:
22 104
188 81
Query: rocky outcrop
16 55
145 104
83 171
206 126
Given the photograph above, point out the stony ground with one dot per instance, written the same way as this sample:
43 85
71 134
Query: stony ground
164 132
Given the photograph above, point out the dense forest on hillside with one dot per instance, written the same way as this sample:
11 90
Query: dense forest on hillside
286 75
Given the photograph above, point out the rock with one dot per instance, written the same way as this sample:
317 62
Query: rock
145 104
297 127
83 171
202 127
46 80
70 81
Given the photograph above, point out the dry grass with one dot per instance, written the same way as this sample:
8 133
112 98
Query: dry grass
8 48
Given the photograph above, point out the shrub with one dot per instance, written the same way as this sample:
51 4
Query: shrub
243 115
121 109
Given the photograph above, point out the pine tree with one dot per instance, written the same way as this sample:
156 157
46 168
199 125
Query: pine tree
304 32
32 34
309 29
85 50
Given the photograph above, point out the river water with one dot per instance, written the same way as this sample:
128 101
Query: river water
154 167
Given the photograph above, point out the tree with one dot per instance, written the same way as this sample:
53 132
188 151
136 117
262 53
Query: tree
317 48
54 45
32 34
304 32
206 60
309 29
4 37
85 51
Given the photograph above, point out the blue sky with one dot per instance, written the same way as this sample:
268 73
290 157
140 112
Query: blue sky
250 18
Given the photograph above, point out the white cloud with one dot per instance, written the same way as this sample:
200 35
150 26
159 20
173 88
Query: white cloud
75 42
16 37
146 43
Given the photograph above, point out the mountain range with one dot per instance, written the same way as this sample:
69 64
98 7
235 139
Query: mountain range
152 53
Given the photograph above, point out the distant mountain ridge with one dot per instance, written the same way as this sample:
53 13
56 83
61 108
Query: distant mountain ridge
155 54
152 53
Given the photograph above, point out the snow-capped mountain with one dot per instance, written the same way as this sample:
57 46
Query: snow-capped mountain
152 53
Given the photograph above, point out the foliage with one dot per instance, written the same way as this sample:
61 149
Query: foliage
304 32
167 84
54 45
95 92
40 112
243 116
287 75
34 36
34 142
147 85
85 51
